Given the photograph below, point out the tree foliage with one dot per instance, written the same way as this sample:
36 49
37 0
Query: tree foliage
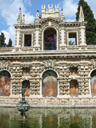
71 42
9 43
91 22
2 40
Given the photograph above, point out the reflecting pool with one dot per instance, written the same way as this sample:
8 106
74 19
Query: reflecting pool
49 118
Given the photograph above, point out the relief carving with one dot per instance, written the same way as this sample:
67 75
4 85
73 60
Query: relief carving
49 63
4 64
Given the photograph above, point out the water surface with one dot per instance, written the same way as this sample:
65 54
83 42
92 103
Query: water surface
49 118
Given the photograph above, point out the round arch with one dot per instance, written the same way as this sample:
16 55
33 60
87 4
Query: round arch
49 83
91 72
44 29
47 70
7 71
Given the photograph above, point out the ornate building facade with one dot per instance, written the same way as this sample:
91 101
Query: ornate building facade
54 71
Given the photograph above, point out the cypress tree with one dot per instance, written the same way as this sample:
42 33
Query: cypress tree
9 43
91 23
2 40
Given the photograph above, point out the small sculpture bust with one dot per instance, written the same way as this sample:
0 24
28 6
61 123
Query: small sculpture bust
23 90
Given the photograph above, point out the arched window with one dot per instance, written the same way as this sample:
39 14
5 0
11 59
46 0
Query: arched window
73 88
49 84
27 87
50 40
5 83
93 83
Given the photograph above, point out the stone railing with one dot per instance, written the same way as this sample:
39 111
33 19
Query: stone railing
86 48
78 48
50 102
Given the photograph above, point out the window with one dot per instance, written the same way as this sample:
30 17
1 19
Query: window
50 40
27 40
26 71
72 39
73 70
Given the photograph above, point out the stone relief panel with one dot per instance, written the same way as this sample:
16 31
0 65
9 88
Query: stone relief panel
49 63
4 64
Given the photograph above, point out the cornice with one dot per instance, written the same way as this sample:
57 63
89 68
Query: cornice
48 54
72 24
33 25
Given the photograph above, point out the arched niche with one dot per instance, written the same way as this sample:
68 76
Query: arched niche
26 84
93 82
50 39
49 84
5 83
73 88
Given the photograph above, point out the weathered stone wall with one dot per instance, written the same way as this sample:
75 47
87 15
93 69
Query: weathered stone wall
37 66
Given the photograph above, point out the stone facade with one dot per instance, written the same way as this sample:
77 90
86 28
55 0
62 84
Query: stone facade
71 63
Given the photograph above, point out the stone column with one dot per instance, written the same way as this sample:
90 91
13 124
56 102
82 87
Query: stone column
62 37
17 40
37 38
40 87
83 38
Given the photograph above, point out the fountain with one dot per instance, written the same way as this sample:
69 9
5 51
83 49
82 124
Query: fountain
23 106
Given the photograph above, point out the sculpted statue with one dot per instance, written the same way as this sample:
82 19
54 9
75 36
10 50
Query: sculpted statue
23 90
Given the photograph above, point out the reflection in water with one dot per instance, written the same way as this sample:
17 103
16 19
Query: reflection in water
49 118
49 121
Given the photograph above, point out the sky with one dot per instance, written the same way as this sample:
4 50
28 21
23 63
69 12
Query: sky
9 12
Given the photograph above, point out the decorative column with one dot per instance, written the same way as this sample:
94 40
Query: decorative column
83 37
37 37
17 40
62 33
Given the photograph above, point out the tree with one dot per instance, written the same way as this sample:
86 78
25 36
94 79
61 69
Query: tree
91 23
2 40
9 43
71 42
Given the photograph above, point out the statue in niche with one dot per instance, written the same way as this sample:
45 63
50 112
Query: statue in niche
23 90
